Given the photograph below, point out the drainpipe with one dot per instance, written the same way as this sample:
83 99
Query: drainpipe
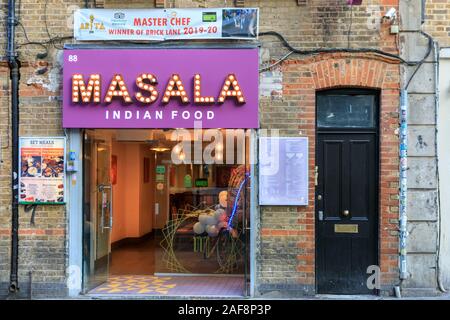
14 68
403 233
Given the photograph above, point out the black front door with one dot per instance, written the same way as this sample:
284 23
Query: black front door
346 200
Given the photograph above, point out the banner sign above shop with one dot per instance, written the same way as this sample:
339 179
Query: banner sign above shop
166 24
160 88
283 173
42 173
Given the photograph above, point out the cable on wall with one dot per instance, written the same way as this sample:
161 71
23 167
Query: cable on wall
350 50
419 64
276 62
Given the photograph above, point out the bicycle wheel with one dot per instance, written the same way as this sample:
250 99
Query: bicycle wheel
228 251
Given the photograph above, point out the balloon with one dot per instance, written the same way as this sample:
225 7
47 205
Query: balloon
203 218
223 195
208 228
199 228
211 220
218 213
213 231
222 224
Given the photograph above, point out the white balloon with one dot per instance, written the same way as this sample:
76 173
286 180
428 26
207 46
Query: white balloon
213 231
203 218
199 228
218 213
211 220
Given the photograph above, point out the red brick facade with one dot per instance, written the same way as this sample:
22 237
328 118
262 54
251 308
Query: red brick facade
302 78
286 235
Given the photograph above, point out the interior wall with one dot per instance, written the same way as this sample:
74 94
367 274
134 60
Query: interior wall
132 199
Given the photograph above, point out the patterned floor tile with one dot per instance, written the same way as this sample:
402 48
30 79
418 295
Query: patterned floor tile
172 286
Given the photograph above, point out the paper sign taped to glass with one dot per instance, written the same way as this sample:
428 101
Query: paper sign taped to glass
283 171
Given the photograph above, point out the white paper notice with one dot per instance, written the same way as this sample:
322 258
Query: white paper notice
283 171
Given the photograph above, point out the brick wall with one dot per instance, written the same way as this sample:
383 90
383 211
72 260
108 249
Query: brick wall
43 246
5 184
286 234
437 21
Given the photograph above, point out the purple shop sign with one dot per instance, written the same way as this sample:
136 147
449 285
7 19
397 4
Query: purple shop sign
213 65
354 2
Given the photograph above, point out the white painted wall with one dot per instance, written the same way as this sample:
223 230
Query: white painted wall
443 142
75 212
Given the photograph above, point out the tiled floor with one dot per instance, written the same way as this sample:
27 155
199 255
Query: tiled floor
132 267
146 257
229 286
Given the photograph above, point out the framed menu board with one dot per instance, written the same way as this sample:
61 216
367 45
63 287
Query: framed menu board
42 170
283 171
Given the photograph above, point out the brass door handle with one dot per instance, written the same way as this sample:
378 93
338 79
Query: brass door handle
345 213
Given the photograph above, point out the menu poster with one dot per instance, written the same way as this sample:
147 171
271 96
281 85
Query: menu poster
283 171
42 170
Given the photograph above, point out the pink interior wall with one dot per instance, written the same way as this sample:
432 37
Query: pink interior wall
132 199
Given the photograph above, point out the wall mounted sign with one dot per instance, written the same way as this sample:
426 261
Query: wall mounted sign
160 88
160 186
187 181
354 2
42 170
201 183
160 169
166 24
283 174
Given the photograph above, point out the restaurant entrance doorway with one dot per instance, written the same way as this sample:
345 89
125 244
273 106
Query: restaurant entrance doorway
166 212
